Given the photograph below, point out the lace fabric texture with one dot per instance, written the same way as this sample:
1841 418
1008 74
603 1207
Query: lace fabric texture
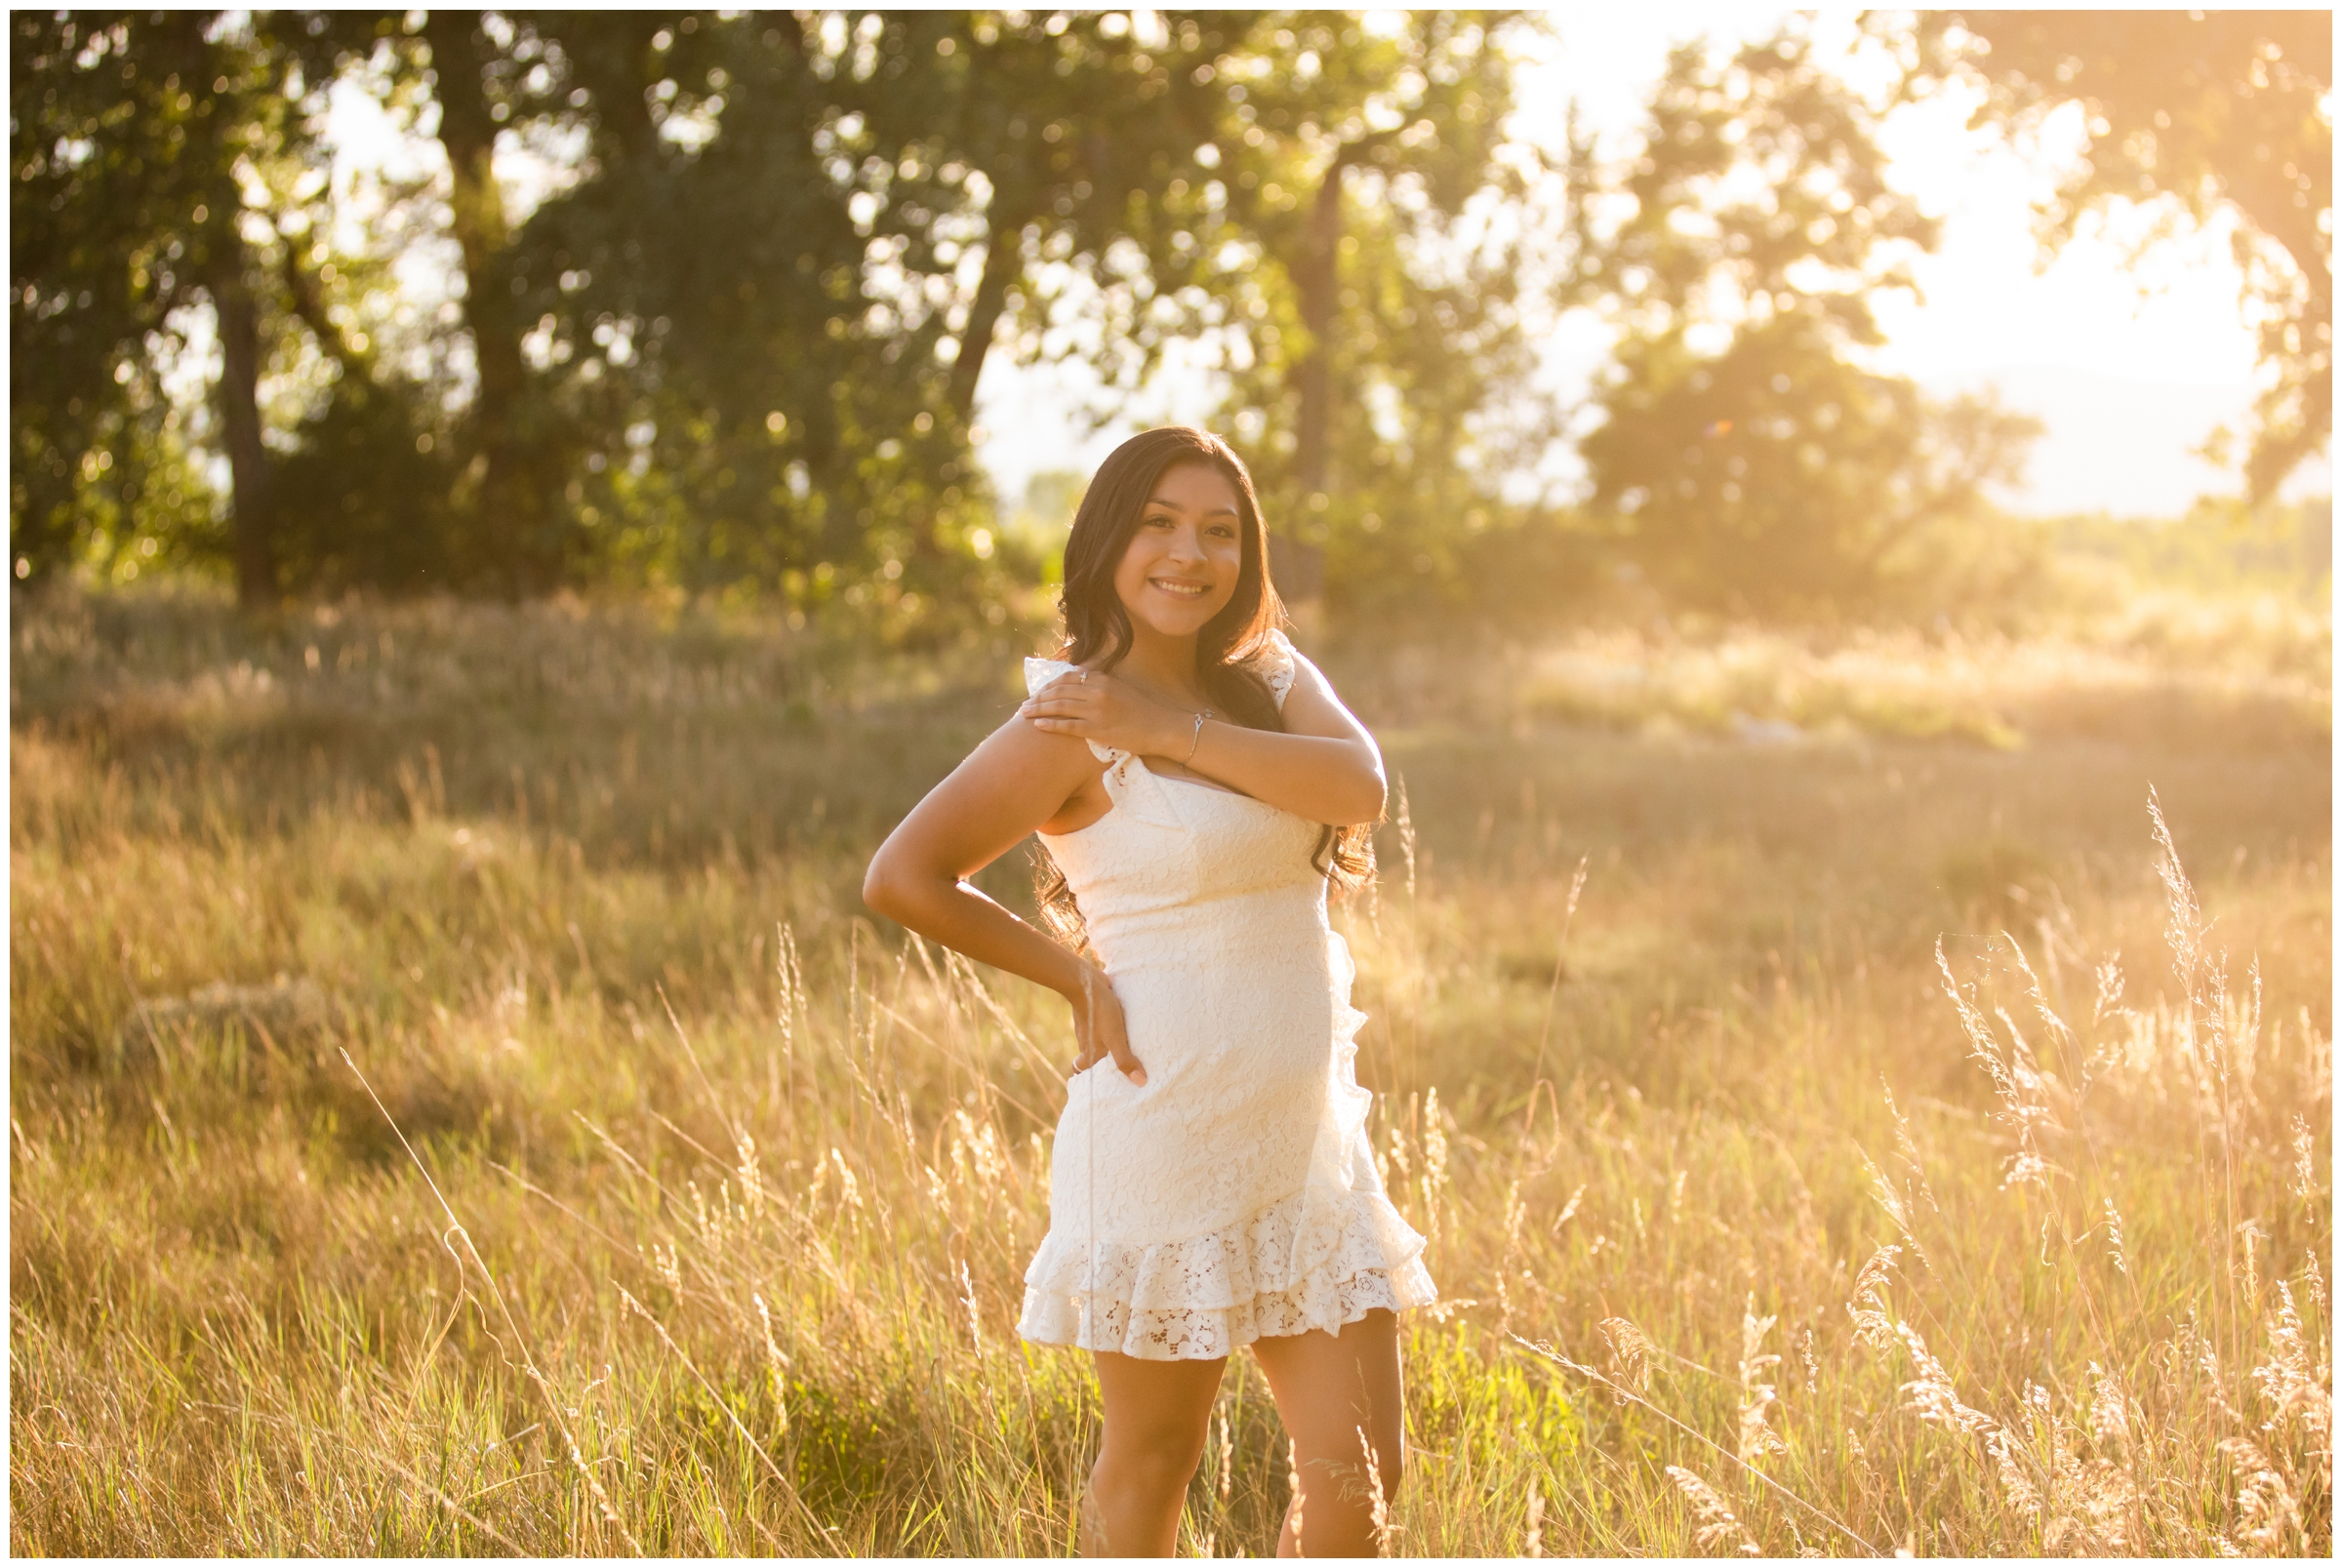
1234 1195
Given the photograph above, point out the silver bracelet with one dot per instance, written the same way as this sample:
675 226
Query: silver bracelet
1197 739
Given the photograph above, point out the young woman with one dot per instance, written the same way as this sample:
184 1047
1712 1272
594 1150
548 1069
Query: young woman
1197 785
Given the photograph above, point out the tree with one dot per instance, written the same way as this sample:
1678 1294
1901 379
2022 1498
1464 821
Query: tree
636 300
471 77
1748 459
475 78
168 172
1282 182
2209 110
1088 135
1777 476
884 192
126 135
1354 161
753 398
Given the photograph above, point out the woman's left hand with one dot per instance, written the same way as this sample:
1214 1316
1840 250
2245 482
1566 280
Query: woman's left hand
1092 706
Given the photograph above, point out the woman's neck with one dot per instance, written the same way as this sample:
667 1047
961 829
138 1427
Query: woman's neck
1165 666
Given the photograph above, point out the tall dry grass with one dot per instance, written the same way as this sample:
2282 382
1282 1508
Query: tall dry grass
1904 1144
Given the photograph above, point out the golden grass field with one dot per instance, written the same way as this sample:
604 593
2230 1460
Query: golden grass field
1755 1236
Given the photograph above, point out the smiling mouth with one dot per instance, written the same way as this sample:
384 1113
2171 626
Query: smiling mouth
1184 591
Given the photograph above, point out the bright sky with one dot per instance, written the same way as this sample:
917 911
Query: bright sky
2130 369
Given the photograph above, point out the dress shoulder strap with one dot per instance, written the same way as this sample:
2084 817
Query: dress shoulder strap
1277 663
1040 673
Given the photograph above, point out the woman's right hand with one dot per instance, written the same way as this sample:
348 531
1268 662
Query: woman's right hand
1100 1029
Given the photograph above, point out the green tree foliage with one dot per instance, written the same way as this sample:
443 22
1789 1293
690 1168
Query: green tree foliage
2204 110
728 334
720 312
738 338
818 295
1749 459
1084 145
125 135
168 191
362 474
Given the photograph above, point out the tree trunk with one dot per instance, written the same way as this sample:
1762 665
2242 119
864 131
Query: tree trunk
1002 260
240 425
1297 565
506 502
1317 283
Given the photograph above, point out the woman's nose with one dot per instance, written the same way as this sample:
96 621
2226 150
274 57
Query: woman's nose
1186 545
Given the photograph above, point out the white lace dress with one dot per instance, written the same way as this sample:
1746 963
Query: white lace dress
1234 1195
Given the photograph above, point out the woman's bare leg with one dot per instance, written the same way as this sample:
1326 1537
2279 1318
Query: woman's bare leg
1329 1388
1156 1415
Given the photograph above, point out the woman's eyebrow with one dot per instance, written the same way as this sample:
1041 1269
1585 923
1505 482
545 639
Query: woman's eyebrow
1175 506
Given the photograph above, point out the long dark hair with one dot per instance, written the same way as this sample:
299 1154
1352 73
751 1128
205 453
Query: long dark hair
1230 651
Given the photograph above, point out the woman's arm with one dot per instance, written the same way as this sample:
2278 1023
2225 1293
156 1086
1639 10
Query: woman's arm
1325 767
1011 784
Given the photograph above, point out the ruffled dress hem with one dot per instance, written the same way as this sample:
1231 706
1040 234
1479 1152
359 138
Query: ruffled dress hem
1203 1297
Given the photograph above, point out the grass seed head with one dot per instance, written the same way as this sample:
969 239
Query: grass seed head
1378 1505
2267 1511
1874 1324
1930 1395
1716 1527
1630 1352
1757 1441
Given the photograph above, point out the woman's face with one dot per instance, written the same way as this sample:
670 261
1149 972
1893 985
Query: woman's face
1179 568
